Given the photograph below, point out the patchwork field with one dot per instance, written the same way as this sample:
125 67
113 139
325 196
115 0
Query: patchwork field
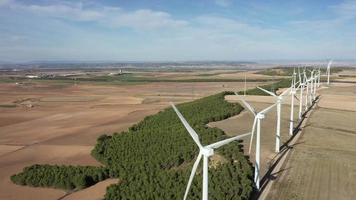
51 123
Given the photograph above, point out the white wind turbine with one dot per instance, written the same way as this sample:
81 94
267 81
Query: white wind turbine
315 84
259 116
279 100
328 71
205 152
301 84
307 95
312 86
319 74
292 93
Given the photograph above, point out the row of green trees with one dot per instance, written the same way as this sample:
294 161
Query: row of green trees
288 71
154 157
62 177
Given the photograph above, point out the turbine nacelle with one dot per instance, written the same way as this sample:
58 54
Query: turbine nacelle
206 151
279 99
260 116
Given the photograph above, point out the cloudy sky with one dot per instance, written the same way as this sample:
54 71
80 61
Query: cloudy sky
162 30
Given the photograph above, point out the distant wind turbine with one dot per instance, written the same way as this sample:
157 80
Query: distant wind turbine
328 71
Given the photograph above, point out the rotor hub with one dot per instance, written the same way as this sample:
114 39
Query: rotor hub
260 116
207 151
279 99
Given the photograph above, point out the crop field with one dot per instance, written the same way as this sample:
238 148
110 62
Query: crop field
323 163
58 122
53 122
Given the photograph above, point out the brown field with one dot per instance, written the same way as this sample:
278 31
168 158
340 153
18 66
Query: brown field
211 74
56 123
323 163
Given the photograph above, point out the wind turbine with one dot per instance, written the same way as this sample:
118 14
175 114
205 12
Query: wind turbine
301 84
292 93
307 96
259 116
279 100
328 71
315 84
312 87
319 73
205 152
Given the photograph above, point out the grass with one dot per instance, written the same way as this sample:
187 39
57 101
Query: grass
7 105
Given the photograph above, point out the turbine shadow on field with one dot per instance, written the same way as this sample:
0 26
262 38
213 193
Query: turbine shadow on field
270 175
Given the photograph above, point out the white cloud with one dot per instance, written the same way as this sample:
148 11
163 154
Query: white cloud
346 9
146 19
5 2
110 16
223 3
341 14
69 11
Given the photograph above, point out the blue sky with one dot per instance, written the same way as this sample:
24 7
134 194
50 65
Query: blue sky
177 30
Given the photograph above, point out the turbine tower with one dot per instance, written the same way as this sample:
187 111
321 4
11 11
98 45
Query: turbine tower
312 87
301 84
307 92
259 116
328 71
292 93
205 152
279 100
319 74
315 84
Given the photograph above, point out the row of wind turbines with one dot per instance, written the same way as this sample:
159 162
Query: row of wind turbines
305 84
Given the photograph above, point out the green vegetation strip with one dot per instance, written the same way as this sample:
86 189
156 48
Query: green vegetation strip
129 78
288 71
154 158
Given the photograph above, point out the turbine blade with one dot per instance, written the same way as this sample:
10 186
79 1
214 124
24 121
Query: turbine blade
270 93
192 174
190 130
252 133
248 106
226 141
285 92
267 109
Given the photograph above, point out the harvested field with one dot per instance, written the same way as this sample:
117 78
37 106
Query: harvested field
65 120
96 191
323 164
